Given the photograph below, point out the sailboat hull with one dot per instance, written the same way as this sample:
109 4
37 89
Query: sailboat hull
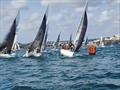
32 54
7 55
67 53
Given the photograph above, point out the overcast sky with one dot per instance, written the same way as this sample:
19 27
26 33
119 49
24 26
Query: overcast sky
63 16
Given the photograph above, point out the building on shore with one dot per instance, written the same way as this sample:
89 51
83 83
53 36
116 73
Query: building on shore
115 39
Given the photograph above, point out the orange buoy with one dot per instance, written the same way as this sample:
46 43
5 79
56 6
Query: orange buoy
92 50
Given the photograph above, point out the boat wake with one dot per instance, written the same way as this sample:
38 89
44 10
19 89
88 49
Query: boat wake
32 54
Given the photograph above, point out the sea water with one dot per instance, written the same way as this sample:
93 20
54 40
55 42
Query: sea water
55 72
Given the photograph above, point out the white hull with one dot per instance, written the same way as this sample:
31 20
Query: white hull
7 55
32 54
67 53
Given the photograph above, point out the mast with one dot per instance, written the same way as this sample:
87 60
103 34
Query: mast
82 30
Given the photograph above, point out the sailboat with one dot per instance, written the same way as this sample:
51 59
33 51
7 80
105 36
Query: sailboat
6 47
79 36
37 46
56 43
101 42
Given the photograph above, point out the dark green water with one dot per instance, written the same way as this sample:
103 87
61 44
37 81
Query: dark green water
54 72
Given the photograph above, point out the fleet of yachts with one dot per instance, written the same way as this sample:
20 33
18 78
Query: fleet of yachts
38 46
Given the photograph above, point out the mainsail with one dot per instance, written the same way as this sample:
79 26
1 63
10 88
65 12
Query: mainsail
9 40
56 44
81 32
37 43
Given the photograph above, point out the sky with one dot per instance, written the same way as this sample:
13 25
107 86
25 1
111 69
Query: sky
63 16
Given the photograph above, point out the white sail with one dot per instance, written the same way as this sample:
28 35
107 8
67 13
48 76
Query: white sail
101 42
15 44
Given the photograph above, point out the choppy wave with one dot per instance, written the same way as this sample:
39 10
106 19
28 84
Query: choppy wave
54 72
